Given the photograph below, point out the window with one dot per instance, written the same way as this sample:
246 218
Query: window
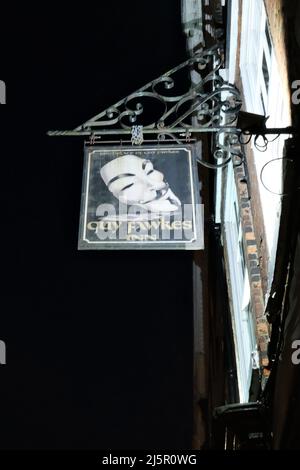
256 57
265 72
237 216
242 254
268 38
263 103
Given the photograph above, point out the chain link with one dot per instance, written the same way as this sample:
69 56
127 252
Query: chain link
137 137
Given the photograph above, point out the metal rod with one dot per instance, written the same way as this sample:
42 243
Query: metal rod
128 142
270 130
175 130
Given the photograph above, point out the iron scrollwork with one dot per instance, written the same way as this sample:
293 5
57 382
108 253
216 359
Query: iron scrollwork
209 105
205 100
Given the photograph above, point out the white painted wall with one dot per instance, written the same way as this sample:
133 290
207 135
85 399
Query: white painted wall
239 289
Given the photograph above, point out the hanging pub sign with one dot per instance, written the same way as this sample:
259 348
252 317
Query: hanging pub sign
140 198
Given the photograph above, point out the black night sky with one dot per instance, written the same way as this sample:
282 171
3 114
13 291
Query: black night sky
99 344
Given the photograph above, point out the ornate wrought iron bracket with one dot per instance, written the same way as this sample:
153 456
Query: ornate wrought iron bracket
205 101
209 106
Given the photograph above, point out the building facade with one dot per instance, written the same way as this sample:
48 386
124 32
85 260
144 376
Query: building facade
249 197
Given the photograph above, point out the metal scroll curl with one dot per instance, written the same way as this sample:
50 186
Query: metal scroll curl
227 148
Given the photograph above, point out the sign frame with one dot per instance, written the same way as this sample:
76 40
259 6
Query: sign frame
154 155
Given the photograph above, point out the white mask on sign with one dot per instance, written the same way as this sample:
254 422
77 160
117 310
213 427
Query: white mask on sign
134 181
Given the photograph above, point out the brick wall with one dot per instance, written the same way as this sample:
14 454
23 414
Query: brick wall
253 264
254 238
